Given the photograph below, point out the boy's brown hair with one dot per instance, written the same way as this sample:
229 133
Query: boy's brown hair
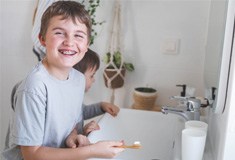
91 60
66 9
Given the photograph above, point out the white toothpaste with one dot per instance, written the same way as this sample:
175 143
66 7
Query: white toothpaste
137 143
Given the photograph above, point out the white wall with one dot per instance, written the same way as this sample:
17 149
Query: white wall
229 117
222 126
230 113
145 25
16 51
0 78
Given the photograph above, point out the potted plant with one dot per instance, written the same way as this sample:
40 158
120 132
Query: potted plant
144 98
115 70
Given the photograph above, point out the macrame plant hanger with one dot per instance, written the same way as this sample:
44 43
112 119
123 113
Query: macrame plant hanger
114 46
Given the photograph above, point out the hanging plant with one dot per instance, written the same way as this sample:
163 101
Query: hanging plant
117 61
115 69
91 8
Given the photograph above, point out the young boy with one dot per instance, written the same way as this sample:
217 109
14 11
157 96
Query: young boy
88 66
48 101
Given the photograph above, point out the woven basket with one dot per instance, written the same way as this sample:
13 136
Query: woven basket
117 82
144 100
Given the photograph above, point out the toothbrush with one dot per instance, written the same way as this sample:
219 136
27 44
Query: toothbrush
135 145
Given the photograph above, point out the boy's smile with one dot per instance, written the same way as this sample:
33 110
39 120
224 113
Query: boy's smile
67 52
66 43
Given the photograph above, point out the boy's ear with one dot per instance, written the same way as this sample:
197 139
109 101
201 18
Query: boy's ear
42 40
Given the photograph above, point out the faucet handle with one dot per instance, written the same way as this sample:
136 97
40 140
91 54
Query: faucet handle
193 104
179 98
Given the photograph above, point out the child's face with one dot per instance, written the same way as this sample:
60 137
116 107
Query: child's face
66 42
90 77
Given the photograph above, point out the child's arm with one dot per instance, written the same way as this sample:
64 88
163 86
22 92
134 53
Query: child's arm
75 140
91 126
110 108
102 149
96 109
92 110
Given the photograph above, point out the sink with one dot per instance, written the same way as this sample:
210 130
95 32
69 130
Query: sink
159 134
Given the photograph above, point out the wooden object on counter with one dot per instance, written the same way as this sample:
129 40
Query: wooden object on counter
144 98
157 108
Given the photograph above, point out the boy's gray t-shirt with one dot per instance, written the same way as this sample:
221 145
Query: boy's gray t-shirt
46 110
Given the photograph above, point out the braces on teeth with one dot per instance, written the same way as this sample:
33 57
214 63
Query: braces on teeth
68 52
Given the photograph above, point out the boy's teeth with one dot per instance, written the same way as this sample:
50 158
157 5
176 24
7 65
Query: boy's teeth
68 52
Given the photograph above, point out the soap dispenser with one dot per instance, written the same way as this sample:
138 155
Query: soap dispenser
183 93
187 91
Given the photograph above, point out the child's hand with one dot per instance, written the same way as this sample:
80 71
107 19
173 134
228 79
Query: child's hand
106 149
91 126
75 140
110 108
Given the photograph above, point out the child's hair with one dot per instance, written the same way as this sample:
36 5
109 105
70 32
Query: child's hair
91 60
66 9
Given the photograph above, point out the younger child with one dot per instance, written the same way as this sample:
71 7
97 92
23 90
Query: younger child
88 66
48 102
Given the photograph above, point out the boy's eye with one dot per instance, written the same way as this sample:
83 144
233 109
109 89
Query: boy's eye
58 33
79 36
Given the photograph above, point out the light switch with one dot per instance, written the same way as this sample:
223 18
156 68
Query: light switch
170 46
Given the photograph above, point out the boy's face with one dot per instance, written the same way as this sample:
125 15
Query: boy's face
66 42
90 77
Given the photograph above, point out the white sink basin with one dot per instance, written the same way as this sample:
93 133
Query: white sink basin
159 134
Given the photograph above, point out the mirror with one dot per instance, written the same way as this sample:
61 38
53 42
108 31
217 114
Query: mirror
142 45
218 50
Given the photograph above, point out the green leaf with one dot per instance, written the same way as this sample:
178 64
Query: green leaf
106 58
129 66
117 59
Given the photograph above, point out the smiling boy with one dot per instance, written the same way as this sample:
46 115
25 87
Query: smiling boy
48 102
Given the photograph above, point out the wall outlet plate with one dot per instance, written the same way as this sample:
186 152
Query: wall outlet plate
171 46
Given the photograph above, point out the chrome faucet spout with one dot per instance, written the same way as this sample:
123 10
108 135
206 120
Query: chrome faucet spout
180 112
191 111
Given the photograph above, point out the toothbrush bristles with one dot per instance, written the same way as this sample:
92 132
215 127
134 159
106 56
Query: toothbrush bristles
135 145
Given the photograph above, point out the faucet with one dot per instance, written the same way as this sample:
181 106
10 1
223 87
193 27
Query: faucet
191 110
